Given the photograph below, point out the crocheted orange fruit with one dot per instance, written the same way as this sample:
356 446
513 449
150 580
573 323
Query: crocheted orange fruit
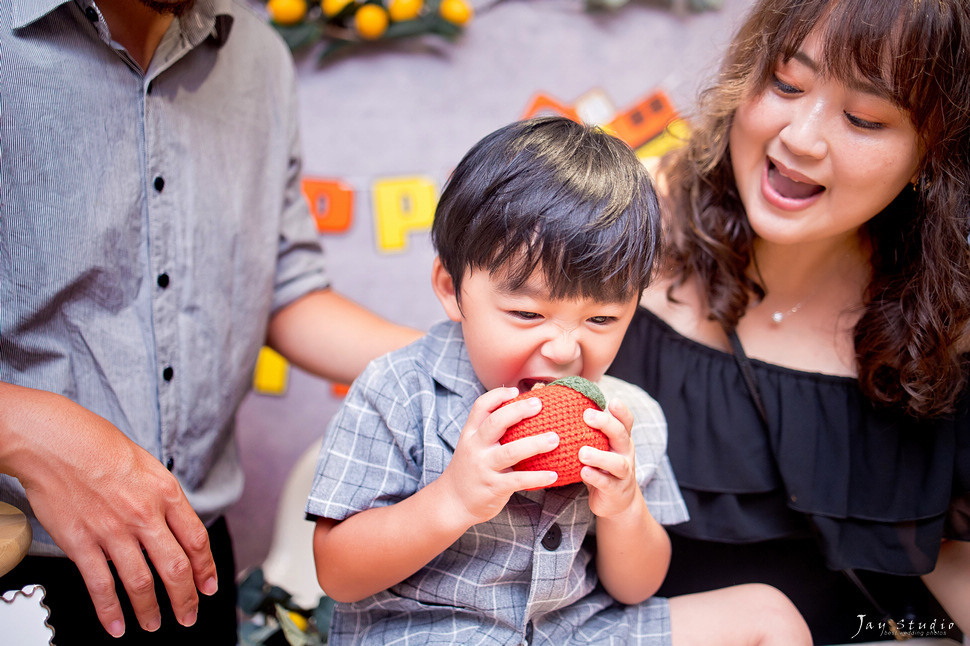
563 403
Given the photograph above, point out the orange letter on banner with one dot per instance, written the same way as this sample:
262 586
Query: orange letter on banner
644 121
543 104
331 203
401 206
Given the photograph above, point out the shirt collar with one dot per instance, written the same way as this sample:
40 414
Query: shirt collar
207 17
24 12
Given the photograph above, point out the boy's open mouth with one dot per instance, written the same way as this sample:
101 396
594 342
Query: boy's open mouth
788 187
525 385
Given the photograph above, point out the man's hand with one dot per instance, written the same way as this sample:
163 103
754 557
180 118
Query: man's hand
101 497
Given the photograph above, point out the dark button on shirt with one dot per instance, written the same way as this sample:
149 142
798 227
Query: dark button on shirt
553 538
163 280
91 14
168 373
159 184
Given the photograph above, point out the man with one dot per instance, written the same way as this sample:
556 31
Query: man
153 237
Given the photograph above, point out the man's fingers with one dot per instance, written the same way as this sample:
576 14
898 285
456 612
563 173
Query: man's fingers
139 583
175 570
101 586
188 565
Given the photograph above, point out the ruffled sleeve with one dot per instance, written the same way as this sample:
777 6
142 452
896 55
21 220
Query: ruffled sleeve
878 490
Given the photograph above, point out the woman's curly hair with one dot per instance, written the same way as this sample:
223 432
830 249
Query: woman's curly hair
911 339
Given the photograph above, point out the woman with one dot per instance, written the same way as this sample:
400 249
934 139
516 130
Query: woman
818 225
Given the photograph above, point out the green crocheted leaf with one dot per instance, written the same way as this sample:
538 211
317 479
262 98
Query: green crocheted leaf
584 387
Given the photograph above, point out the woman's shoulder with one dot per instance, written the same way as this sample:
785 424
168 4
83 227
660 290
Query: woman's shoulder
684 311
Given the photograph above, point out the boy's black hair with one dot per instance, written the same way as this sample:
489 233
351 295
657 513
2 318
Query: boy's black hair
554 194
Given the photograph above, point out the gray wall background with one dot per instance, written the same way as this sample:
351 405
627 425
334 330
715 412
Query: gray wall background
413 109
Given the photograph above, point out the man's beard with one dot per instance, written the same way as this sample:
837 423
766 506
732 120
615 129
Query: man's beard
173 7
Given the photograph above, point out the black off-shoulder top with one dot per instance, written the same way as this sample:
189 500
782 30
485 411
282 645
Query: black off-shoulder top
876 489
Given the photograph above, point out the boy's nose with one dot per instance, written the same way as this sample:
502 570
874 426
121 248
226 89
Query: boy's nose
562 349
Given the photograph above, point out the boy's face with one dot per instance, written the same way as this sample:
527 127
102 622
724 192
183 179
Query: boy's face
521 337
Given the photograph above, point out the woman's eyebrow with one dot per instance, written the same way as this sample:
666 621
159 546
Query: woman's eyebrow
853 82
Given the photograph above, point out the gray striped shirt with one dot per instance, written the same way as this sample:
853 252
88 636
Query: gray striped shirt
528 574
151 222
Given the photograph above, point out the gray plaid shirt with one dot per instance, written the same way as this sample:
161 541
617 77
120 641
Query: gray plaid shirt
526 576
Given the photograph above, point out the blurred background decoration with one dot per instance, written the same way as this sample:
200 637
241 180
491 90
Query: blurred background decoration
342 25
345 24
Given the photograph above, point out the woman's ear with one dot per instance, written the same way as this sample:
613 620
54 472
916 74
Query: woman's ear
444 288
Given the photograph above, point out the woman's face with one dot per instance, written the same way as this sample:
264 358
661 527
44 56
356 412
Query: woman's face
813 158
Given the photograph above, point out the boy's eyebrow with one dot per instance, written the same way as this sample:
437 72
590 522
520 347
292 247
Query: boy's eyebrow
528 288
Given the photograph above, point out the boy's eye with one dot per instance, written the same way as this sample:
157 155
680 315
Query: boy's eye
784 88
528 316
862 123
601 320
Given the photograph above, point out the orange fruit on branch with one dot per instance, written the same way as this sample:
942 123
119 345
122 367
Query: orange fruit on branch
371 21
457 12
401 10
286 12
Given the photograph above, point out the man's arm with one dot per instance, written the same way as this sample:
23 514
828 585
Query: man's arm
331 336
101 497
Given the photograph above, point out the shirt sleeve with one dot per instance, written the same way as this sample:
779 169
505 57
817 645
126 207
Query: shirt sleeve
370 455
654 472
300 266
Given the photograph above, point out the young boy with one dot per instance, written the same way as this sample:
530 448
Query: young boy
546 235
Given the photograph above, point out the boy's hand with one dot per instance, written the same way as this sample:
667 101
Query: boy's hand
610 475
480 478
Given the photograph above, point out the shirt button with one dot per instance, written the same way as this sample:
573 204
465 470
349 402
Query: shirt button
163 280
168 373
159 184
170 464
91 14
553 538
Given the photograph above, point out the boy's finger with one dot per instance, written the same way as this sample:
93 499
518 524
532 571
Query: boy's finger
508 455
522 480
604 421
605 461
494 427
487 403
622 413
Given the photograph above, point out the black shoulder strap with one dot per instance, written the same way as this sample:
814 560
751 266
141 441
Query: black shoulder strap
747 372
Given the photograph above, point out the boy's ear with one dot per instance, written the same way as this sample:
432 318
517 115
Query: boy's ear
444 289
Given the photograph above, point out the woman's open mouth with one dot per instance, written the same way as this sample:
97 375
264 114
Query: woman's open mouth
788 189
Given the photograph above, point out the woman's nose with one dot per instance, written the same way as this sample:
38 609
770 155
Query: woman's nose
804 134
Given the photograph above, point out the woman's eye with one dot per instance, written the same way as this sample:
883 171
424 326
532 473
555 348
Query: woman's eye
528 316
862 123
783 87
